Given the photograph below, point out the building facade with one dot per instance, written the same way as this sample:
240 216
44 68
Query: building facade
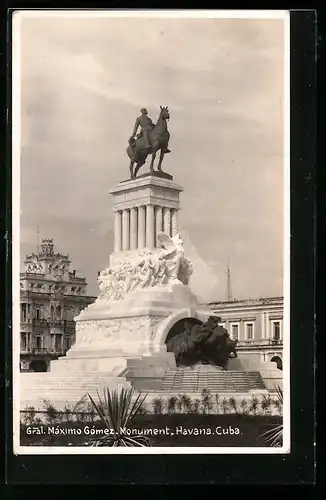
257 324
51 295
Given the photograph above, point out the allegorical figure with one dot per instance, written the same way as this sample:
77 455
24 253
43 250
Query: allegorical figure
145 123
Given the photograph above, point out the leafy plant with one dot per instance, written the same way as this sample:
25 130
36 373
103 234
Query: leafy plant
266 403
142 410
28 415
206 401
185 403
179 404
158 406
172 402
217 402
196 406
225 405
254 405
274 436
278 402
117 410
67 413
244 406
233 404
51 413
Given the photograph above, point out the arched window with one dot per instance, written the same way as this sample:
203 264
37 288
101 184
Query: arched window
278 361
58 312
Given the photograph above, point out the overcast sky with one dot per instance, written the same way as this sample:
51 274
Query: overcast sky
83 84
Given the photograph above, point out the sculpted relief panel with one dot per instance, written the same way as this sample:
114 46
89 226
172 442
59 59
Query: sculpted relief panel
136 329
146 268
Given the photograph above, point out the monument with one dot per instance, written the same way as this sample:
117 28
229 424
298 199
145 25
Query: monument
145 289
124 337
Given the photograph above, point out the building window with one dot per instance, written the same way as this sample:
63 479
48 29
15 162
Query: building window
249 331
23 342
235 332
23 312
57 342
276 330
38 342
67 343
38 313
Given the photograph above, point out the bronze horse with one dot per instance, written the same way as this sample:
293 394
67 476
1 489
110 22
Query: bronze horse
159 140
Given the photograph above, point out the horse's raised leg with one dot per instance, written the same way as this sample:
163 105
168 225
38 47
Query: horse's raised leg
159 167
152 162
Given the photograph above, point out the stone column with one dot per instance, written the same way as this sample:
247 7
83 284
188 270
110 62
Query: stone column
174 223
125 230
262 319
133 228
158 221
117 231
141 227
150 229
167 221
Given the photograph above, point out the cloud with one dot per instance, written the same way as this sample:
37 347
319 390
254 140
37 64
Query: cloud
83 83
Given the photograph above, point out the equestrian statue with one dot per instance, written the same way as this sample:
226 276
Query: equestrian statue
151 139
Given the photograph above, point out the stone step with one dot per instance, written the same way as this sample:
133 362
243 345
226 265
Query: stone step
216 381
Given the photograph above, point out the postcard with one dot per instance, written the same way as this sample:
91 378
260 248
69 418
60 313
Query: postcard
151 232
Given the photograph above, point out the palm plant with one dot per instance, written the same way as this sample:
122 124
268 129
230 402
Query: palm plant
217 402
225 405
158 406
254 405
185 402
117 410
266 403
172 401
233 404
196 406
244 405
28 415
278 402
206 401
51 413
274 436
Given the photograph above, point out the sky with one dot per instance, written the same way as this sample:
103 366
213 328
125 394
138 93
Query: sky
83 82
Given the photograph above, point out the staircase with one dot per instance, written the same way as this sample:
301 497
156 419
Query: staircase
183 380
62 390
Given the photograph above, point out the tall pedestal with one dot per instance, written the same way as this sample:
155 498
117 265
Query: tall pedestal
125 335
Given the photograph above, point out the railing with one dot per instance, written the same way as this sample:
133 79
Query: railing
48 322
79 279
260 343
56 322
39 350
40 322
57 351
26 350
69 323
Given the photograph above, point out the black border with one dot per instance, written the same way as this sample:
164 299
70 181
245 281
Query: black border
294 468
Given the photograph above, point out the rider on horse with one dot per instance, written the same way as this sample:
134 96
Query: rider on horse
146 125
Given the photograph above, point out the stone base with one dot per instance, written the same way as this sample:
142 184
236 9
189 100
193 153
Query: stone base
271 375
155 173
127 338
